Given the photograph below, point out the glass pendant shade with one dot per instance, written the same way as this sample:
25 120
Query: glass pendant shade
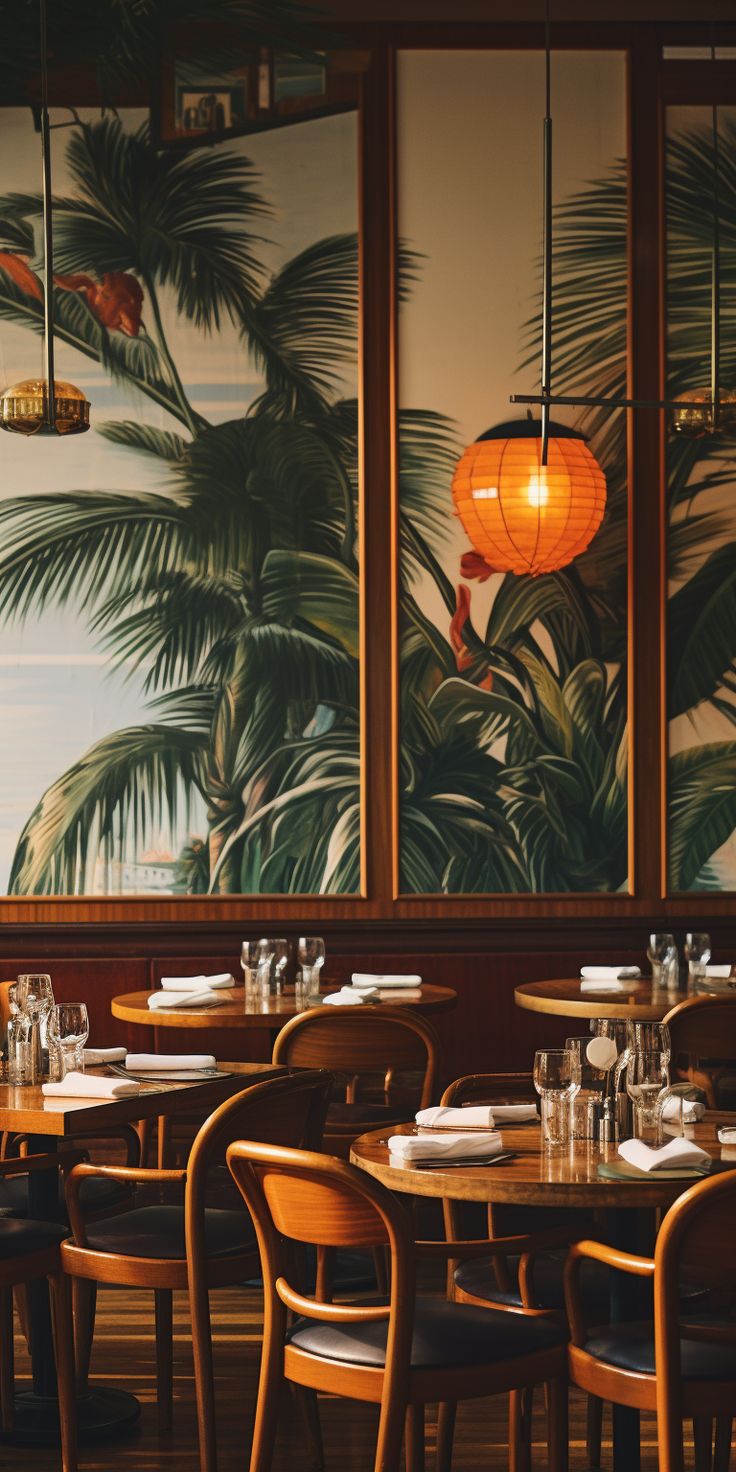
24 408
695 419
520 515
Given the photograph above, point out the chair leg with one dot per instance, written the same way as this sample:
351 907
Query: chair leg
270 1382
557 1435
164 1301
520 1430
21 1304
594 1432
204 1380
722 1453
164 1160
390 1433
414 1438
306 1400
7 1383
84 1300
446 1415
703 1441
61 1318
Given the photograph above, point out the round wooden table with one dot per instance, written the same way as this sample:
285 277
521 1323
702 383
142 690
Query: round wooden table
270 1013
567 1177
565 999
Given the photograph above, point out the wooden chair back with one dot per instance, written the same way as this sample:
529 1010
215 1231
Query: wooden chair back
5 1003
703 1033
490 1088
386 1059
695 1240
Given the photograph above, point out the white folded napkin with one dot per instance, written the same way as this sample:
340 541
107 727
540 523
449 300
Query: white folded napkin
103 1055
202 998
351 996
727 1135
404 1148
475 1116
692 1110
677 1152
618 979
364 979
221 981
720 972
87 1086
162 1062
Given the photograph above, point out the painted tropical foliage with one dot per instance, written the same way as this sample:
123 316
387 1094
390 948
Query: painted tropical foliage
702 542
514 734
231 593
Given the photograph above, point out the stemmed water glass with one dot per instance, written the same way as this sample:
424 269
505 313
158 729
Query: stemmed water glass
662 953
310 952
647 1074
68 1033
697 950
557 1081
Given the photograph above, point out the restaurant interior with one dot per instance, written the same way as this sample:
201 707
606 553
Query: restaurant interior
368 761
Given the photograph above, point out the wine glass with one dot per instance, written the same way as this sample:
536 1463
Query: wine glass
69 1030
662 952
556 1080
310 952
647 1074
35 998
672 1107
697 954
256 964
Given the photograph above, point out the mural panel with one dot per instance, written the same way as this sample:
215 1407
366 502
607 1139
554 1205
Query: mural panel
179 588
514 761
701 687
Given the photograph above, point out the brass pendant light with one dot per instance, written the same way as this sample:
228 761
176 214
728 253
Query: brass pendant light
45 405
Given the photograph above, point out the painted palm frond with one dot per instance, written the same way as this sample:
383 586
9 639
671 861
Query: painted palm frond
702 808
123 786
145 439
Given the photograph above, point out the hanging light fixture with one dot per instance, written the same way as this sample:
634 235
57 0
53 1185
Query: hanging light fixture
530 494
45 405
710 410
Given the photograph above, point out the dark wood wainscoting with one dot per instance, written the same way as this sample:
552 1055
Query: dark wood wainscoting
482 961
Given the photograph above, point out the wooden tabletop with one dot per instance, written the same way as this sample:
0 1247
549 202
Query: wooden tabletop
565 999
564 1177
271 1012
28 1111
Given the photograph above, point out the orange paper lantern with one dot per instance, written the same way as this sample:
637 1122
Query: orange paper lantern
523 516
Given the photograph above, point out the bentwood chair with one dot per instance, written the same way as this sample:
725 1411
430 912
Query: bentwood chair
362 1044
512 1282
399 1354
703 1033
30 1250
674 1365
191 1244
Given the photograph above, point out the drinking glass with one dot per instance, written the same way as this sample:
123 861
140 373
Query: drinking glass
556 1080
256 964
697 954
647 1074
662 953
34 996
683 1093
591 1085
310 950
68 1031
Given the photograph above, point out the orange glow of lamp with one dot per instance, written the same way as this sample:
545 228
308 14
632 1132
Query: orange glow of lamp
522 515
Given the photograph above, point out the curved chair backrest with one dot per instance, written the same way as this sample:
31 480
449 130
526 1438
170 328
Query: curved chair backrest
490 1088
696 1240
703 1033
288 1110
363 1040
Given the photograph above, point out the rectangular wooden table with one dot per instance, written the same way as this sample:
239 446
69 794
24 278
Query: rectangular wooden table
47 1122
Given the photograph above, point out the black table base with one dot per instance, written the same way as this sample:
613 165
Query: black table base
104 1414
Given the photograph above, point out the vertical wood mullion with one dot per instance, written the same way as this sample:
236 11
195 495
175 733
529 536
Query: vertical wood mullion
647 502
376 441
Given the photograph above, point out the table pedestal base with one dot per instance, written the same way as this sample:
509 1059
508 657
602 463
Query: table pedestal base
102 1415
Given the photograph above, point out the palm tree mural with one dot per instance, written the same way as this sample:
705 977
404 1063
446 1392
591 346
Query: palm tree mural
232 590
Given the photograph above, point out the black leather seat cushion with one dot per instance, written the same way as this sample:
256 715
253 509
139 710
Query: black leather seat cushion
478 1277
158 1231
19 1237
444 1334
631 1347
97 1194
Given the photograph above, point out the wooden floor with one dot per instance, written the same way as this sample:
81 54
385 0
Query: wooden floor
124 1356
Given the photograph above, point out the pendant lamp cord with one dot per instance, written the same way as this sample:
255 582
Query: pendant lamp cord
547 237
715 282
48 242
